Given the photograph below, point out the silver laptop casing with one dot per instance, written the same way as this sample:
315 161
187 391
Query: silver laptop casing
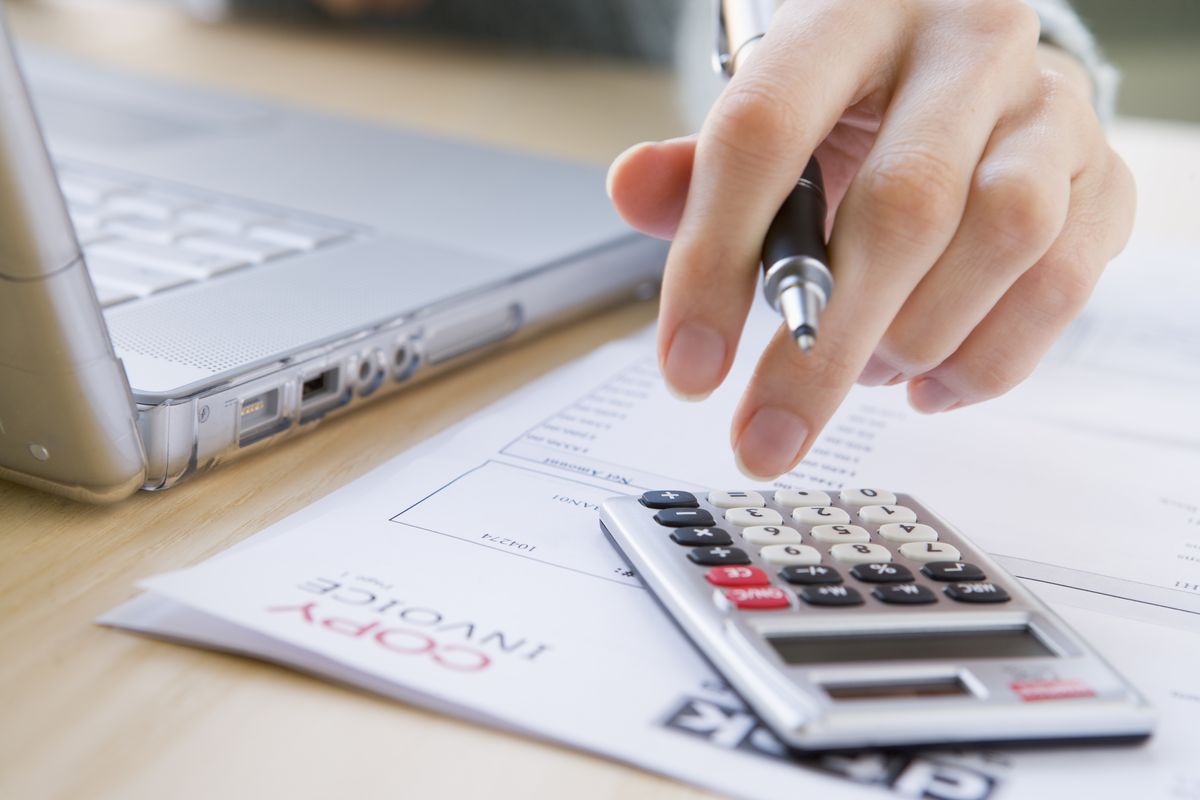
455 249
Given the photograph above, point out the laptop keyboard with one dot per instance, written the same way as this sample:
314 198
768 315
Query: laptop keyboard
140 238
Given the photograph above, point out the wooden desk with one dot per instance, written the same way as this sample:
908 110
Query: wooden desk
86 712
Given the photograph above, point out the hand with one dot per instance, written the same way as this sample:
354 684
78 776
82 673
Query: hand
973 199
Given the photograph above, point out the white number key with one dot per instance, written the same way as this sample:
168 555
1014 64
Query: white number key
736 499
930 551
879 515
867 497
791 554
901 532
832 534
771 534
820 515
860 553
743 517
794 498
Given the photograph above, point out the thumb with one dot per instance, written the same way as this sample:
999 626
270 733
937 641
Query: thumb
648 184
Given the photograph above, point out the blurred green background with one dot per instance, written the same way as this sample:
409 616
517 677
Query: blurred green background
1156 45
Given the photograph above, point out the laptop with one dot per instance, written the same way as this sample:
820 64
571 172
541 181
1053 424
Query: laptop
187 276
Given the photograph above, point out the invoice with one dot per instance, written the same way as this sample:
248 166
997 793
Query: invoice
470 575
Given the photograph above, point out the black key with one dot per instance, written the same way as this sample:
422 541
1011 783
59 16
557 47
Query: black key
905 594
693 537
669 498
684 517
830 596
810 576
709 556
952 571
980 592
882 573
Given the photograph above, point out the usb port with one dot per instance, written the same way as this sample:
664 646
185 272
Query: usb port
319 388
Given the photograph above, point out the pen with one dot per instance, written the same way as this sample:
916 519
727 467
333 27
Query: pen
796 277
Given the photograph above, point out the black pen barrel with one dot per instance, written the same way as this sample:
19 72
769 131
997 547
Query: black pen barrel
798 228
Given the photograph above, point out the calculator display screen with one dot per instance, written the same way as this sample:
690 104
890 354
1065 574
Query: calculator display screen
920 646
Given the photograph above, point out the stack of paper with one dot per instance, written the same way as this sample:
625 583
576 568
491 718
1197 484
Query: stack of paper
470 575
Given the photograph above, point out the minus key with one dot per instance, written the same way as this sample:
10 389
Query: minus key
684 518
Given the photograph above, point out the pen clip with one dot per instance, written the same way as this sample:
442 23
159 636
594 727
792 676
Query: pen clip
722 58
740 24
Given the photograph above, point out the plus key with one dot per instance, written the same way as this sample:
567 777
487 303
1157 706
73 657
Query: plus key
710 556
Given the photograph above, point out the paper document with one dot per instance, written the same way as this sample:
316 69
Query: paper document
470 575
1134 353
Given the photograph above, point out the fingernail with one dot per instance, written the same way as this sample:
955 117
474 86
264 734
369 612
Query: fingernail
695 362
770 443
877 372
612 168
929 396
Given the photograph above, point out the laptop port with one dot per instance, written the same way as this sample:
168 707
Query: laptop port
404 361
259 415
318 389
370 372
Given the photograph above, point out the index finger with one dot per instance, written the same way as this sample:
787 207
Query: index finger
815 61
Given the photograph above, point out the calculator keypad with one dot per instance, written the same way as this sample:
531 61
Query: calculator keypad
857 498
737 576
977 592
684 517
880 515
696 537
745 517
759 597
736 499
790 554
671 498
821 515
792 498
907 594
896 558
837 534
771 534
902 533
882 573
860 553
870 630
831 596
810 575
930 551
952 571
718 555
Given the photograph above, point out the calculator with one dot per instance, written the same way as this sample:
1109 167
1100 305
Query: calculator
863 619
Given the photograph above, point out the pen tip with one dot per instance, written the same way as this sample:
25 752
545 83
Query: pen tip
806 342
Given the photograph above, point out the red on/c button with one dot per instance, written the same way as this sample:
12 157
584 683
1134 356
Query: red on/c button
737 576
758 597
